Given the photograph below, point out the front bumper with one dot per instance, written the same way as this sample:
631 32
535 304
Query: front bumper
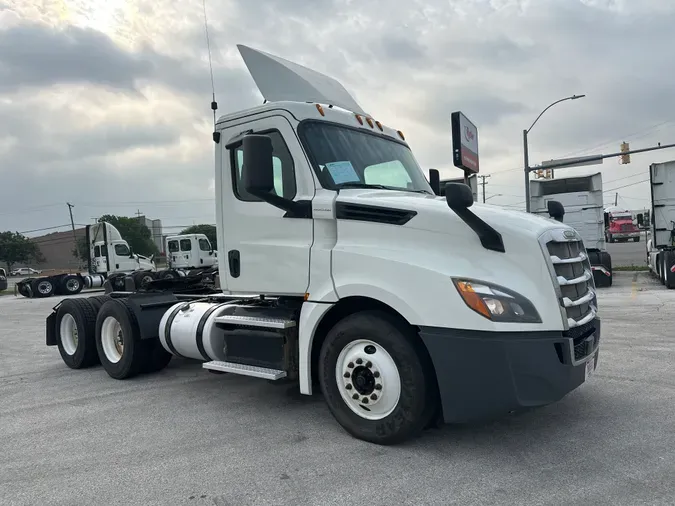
487 374
624 235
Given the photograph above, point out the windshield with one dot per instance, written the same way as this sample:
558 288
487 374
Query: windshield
346 158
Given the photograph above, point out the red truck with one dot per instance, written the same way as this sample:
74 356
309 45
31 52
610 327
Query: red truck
619 227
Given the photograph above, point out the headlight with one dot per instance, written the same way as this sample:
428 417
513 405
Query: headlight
495 302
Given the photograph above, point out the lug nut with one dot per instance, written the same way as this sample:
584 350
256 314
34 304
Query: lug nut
378 387
347 375
350 365
369 364
348 386
365 400
355 396
359 361
376 374
373 397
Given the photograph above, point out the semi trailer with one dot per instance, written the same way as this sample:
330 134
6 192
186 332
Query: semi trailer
343 272
661 242
110 259
582 199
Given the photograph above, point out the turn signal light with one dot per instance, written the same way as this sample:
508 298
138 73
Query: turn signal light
472 299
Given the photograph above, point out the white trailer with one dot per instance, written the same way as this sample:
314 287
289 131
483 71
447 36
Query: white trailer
188 253
661 241
110 261
343 271
582 199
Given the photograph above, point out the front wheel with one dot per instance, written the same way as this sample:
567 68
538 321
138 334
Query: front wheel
376 379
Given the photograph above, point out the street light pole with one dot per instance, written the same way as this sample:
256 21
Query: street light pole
526 155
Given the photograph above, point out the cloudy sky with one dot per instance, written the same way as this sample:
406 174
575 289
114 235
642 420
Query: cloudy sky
106 103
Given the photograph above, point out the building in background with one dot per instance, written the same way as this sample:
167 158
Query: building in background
57 248
155 227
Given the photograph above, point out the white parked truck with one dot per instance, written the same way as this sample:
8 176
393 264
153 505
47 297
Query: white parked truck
110 258
661 241
188 253
582 199
343 271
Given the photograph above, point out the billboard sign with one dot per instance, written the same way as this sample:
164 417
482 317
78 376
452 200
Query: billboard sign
464 143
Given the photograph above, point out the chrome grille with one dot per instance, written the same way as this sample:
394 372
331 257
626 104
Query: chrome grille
573 274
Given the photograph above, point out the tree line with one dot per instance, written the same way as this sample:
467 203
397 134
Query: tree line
15 248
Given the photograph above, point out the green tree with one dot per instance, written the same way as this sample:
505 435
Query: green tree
208 230
17 248
134 232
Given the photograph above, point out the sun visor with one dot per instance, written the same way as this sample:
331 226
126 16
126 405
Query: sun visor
279 80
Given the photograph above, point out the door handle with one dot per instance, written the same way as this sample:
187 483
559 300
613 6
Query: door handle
233 260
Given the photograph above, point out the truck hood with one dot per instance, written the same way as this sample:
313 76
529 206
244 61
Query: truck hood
434 215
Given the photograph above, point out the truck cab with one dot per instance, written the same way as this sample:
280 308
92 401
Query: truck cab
620 227
190 251
111 253
341 269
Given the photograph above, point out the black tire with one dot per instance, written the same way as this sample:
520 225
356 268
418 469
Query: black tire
142 278
168 274
418 400
84 316
668 275
42 287
71 285
23 289
637 239
158 358
98 300
606 261
134 351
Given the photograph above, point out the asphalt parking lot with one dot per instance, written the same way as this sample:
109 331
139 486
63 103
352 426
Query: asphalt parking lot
187 437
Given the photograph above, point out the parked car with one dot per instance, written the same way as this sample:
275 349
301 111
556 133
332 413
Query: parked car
3 279
24 271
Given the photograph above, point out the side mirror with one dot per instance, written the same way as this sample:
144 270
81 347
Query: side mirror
258 170
640 220
606 220
435 181
556 210
458 196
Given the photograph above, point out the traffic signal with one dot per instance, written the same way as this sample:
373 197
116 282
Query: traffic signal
549 174
625 149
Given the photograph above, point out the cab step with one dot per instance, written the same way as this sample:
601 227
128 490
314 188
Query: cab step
245 370
255 321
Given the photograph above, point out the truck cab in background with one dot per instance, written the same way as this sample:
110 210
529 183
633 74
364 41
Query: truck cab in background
190 251
660 243
582 199
3 279
619 226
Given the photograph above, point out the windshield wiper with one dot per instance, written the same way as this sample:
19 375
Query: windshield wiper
357 184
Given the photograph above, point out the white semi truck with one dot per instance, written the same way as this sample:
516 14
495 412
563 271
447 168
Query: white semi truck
110 258
343 271
661 241
188 254
582 199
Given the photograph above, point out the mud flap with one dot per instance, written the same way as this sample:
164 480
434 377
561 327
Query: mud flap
51 329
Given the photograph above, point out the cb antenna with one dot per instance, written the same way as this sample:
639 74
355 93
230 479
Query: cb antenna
214 104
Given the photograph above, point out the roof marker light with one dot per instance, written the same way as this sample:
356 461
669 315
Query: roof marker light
379 125
400 134
320 109
359 119
370 122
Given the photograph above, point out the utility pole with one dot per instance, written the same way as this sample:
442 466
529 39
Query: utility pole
483 182
72 223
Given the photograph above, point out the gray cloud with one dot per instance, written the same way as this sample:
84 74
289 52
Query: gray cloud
413 62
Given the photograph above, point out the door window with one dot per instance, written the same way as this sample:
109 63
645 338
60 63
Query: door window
97 251
284 170
122 250
185 245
